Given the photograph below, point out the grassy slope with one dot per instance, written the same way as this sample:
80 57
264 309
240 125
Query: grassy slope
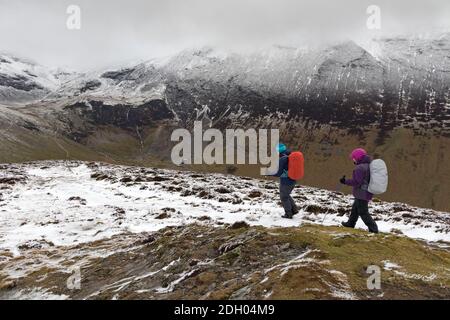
353 252
254 268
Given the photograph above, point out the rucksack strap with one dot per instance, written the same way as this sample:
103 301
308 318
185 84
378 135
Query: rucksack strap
365 185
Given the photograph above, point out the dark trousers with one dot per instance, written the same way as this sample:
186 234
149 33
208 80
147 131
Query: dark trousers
361 209
286 200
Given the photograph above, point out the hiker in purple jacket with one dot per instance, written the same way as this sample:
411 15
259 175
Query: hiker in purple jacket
360 184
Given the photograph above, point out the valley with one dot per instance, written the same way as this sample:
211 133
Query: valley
394 101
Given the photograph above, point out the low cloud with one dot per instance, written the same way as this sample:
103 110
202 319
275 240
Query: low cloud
114 31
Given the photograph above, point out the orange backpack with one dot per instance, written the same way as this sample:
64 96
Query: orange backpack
296 165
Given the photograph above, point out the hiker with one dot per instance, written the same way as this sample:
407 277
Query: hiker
286 184
360 184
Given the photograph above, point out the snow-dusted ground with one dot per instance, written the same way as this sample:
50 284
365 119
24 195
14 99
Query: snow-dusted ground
64 203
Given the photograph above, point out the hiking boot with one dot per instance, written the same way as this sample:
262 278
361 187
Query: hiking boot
286 216
294 212
345 224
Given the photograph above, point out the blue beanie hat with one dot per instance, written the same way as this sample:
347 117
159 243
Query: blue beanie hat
281 148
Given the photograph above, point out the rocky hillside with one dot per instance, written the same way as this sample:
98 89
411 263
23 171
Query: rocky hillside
403 82
135 232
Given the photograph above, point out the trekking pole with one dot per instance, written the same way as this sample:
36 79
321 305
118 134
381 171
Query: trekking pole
339 187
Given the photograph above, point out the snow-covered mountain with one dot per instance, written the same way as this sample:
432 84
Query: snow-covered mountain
396 77
24 81
55 216
396 82
402 82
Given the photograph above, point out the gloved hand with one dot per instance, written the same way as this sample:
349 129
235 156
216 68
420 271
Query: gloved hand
342 180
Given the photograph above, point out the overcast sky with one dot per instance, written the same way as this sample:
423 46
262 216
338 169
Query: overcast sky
115 31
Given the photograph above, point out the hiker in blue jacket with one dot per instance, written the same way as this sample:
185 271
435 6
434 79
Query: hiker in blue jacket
286 184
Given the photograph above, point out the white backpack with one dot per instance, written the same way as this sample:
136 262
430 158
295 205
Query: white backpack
378 177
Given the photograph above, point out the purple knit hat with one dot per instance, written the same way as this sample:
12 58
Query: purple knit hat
358 154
